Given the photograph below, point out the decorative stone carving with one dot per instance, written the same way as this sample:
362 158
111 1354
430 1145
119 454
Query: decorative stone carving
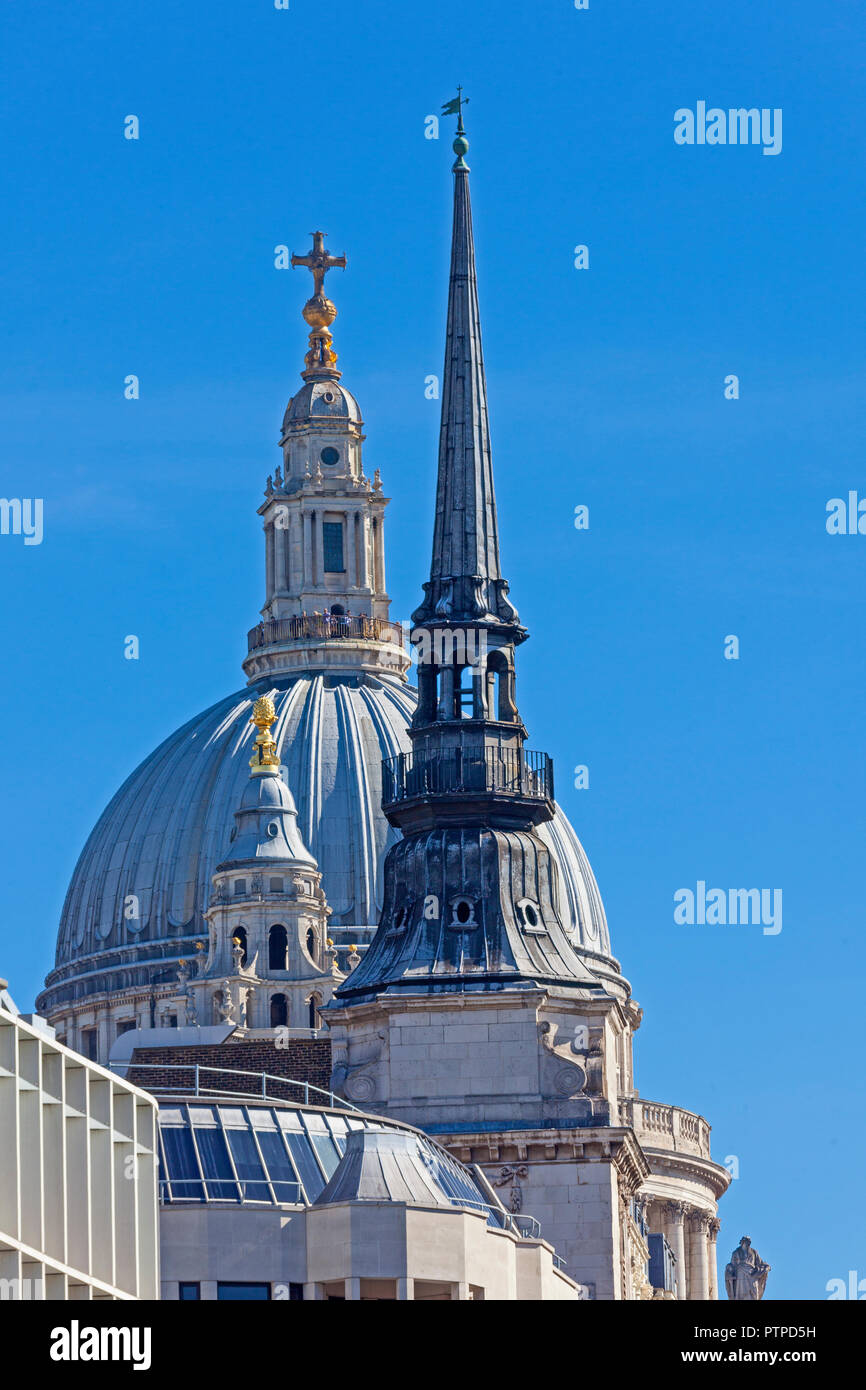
226 1004
512 1176
746 1273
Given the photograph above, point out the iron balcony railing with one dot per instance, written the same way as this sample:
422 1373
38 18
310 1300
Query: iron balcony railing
256 1085
339 627
503 772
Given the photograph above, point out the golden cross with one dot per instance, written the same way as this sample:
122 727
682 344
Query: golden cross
319 262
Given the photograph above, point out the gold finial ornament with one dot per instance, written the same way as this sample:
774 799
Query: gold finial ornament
264 757
319 311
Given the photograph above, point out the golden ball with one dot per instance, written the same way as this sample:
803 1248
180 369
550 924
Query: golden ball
320 312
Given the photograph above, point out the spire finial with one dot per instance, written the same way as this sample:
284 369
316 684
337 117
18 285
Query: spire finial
319 311
265 760
461 144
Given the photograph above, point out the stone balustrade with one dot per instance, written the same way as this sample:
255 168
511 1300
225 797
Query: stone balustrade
337 627
668 1127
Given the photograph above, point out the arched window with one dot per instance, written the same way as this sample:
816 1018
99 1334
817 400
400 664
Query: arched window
312 941
313 1006
278 948
497 688
279 1011
241 936
465 694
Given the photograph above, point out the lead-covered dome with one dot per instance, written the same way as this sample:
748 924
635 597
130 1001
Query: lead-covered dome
322 400
143 881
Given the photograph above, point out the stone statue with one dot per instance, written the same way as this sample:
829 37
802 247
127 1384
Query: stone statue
190 1013
746 1274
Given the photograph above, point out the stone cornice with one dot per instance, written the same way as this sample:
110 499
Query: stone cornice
599 1145
676 1164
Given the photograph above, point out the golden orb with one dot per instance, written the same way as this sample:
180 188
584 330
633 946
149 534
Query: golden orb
319 312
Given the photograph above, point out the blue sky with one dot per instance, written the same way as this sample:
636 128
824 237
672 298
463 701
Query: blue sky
707 515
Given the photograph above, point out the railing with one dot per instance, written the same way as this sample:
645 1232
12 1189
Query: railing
264 1087
669 1127
504 772
528 1227
337 627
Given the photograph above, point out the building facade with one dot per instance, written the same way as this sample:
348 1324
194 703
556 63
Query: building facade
266 1199
78 1172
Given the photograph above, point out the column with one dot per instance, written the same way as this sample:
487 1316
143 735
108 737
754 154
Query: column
281 535
446 694
379 532
713 1227
320 548
479 688
698 1261
353 1290
675 1213
309 568
366 579
405 1289
269 559
103 1038
296 560
461 1292
351 554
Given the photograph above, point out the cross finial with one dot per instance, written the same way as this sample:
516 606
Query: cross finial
319 311
319 262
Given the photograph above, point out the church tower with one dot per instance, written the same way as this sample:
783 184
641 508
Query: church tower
326 607
471 1005
473 1014
469 893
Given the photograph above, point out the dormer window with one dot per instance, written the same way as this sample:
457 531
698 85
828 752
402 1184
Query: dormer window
529 916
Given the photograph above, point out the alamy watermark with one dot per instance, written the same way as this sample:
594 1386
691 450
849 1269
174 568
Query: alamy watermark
736 126
22 516
447 646
846 516
731 907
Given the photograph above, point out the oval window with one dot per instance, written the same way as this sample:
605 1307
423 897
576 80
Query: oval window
463 910
529 915
330 456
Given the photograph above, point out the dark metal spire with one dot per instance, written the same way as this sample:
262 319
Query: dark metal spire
470 890
466 583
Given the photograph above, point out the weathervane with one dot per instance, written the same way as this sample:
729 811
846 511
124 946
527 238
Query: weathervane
454 107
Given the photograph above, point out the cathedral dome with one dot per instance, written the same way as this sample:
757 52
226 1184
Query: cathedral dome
143 882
